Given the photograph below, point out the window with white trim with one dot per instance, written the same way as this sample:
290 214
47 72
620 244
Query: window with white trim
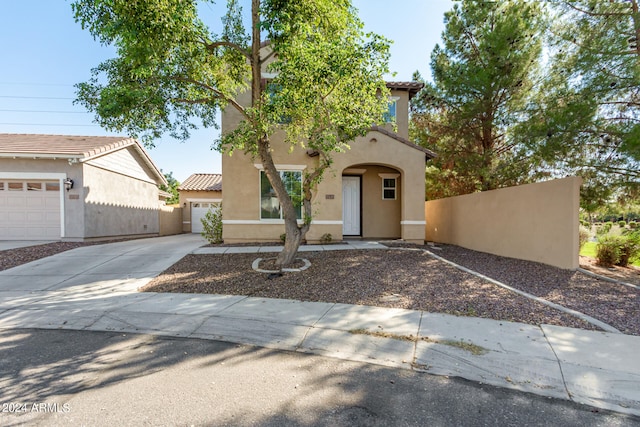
388 189
269 203
389 185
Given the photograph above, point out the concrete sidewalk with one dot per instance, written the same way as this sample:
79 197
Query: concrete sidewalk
95 288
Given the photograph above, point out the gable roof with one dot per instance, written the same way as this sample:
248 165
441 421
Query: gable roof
202 182
430 154
73 148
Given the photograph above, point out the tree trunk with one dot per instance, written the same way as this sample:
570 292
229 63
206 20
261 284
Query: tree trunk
293 234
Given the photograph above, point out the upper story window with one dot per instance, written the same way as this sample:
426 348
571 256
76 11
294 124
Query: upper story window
269 203
391 115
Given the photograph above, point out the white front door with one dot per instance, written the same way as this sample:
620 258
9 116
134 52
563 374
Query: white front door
351 206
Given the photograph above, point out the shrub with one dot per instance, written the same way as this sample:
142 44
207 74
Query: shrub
326 238
584 236
633 225
630 248
608 250
604 228
283 237
622 224
212 225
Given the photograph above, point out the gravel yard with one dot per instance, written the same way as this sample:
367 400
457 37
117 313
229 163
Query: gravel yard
410 279
404 279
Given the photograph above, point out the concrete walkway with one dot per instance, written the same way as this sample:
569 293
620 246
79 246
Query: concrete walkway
95 288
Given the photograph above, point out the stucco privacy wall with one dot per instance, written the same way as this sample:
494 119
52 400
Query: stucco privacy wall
170 220
535 222
117 205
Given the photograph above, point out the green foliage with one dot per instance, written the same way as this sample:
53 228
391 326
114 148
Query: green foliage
212 224
326 238
618 250
608 250
483 74
622 224
585 120
172 188
603 228
633 225
283 237
584 235
171 70
630 249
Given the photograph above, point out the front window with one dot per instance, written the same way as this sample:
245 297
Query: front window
269 204
390 115
389 189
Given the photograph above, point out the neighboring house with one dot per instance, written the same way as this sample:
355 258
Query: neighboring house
199 193
374 190
74 188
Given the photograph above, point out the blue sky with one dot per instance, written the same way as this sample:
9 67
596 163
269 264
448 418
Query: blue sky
45 53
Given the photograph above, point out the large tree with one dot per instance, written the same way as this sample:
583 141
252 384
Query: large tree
170 69
483 74
587 118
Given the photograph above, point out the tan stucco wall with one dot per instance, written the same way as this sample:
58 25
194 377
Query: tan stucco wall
375 152
184 200
170 220
117 205
536 222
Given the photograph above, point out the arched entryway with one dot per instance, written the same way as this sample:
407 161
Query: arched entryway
371 202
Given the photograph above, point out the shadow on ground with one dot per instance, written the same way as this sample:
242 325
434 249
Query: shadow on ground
104 378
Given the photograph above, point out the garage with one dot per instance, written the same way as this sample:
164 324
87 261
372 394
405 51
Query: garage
198 212
30 210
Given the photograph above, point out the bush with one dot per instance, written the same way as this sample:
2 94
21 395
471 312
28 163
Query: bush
622 224
603 228
326 238
633 225
212 225
618 250
584 236
630 248
608 250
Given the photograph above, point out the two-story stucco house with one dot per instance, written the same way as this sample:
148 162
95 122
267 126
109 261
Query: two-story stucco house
375 190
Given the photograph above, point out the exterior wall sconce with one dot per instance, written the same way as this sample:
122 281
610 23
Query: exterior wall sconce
68 184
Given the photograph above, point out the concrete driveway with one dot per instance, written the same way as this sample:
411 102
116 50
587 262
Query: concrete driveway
124 265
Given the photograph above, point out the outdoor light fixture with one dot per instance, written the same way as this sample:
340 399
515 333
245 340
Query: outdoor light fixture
68 184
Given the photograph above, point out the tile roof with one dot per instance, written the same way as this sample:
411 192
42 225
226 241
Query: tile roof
81 148
412 87
430 154
202 182
64 145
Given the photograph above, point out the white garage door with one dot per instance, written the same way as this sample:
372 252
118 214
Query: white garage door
29 210
198 212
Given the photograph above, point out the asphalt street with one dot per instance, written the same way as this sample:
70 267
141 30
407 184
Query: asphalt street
64 377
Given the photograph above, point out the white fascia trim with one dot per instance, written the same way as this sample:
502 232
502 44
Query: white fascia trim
266 75
388 175
283 167
273 221
242 222
36 156
32 175
413 222
189 199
